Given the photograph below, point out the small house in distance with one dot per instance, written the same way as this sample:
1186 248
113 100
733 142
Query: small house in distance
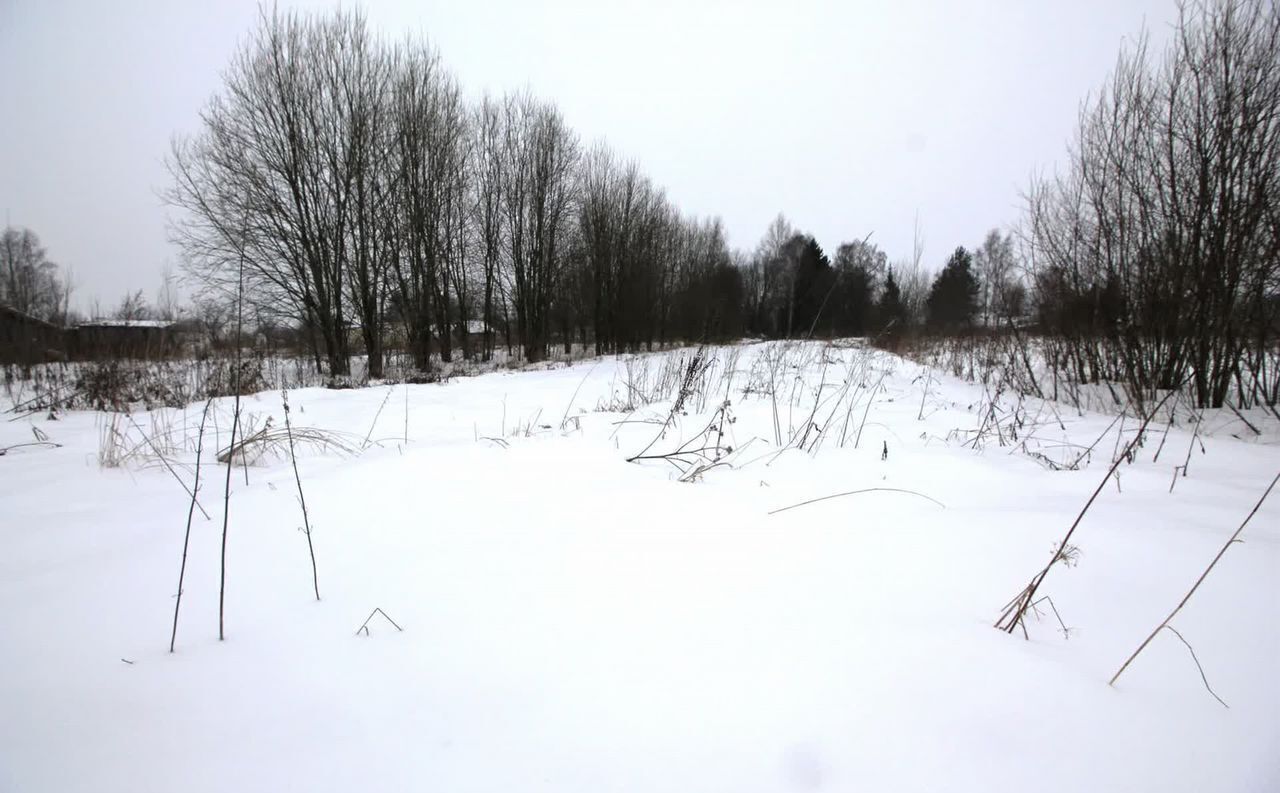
26 340
124 338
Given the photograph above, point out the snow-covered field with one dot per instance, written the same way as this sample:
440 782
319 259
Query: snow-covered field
575 622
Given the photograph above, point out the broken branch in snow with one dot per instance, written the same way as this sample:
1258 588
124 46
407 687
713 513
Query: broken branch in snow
1066 632
365 626
701 453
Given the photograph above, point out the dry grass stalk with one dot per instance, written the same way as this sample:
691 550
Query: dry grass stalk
302 499
857 492
274 440
1234 538
1015 612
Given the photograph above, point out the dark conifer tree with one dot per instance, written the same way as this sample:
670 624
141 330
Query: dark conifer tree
813 279
892 313
953 299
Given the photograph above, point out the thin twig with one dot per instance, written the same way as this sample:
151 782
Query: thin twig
1186 464
165 460
565 419
302 499
369 434
1203 678
871 398
1066 632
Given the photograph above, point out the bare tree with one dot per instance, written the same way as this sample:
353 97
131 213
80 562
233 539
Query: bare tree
167 305
996 263
430 132
276 152
362 74
133 306
29 281
1156 251
539 156
767 282
486 166
913 279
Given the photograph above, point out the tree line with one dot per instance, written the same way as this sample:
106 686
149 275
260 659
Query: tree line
346 185
343 185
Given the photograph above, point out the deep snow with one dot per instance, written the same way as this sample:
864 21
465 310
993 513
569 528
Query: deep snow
574 622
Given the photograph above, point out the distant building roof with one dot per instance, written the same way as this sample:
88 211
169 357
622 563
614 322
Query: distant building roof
127 323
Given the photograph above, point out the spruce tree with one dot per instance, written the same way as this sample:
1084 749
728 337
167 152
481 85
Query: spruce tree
893 314
953 299
813 280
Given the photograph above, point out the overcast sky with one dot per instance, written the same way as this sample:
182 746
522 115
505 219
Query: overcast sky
850 117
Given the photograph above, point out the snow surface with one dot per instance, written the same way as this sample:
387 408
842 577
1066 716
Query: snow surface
573 622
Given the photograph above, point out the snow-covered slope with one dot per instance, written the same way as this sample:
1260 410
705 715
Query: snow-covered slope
575 622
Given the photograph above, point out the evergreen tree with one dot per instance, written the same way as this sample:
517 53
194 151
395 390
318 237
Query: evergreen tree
893 314
953 299
813 279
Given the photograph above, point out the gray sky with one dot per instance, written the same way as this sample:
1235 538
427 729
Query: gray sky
848 117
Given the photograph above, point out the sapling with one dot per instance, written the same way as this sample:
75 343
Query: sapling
186 539
235 425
